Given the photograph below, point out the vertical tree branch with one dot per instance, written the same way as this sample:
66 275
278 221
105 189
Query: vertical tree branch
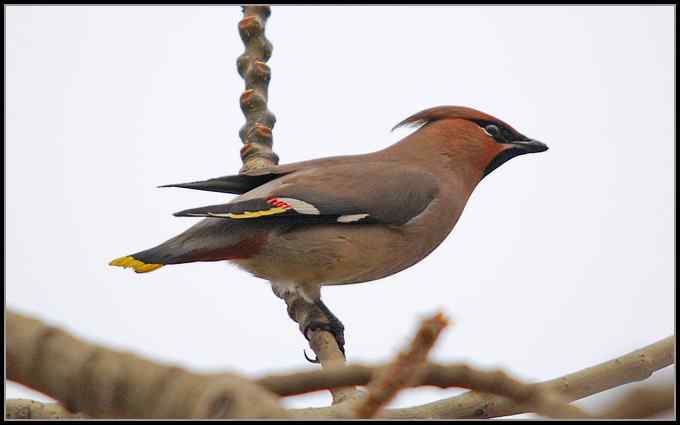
322 343
256 134
257 152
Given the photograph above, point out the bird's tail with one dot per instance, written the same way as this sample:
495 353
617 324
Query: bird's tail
212 239
153 259
139 266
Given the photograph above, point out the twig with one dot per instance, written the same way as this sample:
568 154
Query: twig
296 383
256 134
442 376
536 399
632 367
402 371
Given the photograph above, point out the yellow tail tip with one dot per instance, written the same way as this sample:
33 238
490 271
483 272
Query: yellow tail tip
138 266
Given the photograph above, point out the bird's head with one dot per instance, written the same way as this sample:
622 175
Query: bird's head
466 135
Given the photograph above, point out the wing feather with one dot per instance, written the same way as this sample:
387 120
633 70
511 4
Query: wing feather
372 193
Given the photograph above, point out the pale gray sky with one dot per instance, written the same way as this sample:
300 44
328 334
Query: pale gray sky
561 260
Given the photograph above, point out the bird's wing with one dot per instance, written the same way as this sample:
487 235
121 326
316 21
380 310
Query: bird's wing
250 179
237 184
386 193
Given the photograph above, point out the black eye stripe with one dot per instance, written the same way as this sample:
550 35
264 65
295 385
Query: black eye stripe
498 131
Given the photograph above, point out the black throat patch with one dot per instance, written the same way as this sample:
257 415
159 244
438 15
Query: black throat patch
502 158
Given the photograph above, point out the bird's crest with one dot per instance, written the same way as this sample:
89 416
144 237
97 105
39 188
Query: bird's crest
437 113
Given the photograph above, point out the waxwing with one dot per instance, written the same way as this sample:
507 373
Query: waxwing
345 219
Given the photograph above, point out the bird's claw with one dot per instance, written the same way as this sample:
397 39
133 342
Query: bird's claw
334 327
315 360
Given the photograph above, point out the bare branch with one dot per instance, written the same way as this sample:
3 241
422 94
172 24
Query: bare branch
104 383
442 376
632 367
20 408
642 403
257 152
296 383
256 134
536 399
323 343
402 371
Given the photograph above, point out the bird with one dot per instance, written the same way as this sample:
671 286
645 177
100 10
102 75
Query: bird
344 219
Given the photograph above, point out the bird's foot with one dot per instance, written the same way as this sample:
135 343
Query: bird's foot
326 322
311 315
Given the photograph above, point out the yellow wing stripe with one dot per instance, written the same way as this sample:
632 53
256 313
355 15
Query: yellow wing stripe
255 214
138 266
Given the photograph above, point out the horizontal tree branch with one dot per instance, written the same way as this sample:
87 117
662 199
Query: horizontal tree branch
481 403
497 382
21 408
641 403
635 366
104 383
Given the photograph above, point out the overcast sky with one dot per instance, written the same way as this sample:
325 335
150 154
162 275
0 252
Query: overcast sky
560 261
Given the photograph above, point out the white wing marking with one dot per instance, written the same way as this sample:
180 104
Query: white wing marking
351 217
301 207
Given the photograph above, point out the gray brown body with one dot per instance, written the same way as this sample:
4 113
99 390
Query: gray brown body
344 220
335 254
413 192
341 254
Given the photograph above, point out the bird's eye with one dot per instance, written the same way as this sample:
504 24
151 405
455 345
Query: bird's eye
492 130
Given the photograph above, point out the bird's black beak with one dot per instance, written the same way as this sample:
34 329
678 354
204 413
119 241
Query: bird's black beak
531 146
519 147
